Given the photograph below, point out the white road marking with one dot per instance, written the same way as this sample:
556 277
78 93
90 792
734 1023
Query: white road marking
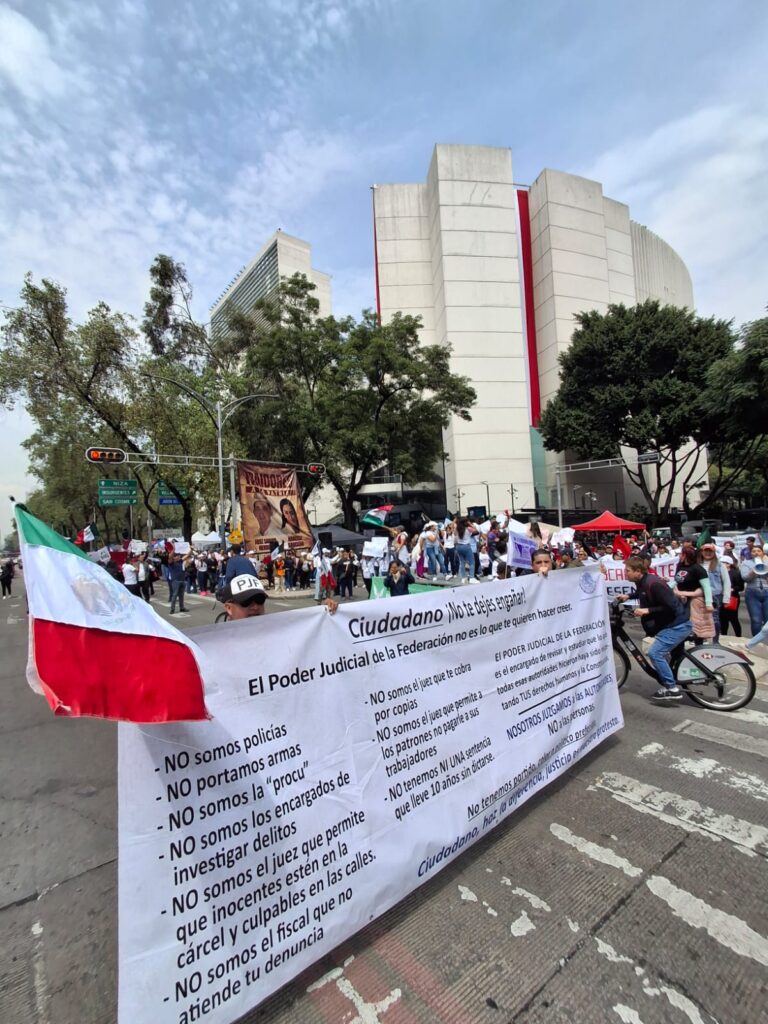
724 737
627 1014
743 715
599 853
606 949
675 998
706 768
729 931
39 974
367 1013
686 814
522 925
467 894
536 902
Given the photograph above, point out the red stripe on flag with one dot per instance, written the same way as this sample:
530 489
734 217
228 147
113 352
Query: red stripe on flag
530 316
121 676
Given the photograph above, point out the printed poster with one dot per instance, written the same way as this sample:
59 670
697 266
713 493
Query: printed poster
272 510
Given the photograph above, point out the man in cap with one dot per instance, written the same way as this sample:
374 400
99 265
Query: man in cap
244 596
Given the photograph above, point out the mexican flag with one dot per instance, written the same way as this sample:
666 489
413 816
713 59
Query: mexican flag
376 516
94 648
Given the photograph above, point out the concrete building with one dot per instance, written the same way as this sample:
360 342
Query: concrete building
282 256
497 271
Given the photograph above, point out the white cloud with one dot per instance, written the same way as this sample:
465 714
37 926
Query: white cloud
699 182
26 61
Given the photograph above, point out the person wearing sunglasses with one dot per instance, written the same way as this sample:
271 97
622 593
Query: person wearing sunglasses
244 596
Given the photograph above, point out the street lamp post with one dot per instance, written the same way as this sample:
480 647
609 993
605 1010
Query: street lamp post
218 414
576 487
512 493
487 497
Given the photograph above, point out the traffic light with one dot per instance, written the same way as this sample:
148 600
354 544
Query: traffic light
100 456
316 469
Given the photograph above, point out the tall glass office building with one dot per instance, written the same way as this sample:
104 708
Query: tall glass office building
282 256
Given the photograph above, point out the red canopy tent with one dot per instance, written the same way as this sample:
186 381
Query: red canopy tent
607 522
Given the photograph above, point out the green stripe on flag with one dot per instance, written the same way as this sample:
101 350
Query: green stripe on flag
33 531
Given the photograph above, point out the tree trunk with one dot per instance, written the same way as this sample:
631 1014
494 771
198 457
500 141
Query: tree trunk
186 528
350 515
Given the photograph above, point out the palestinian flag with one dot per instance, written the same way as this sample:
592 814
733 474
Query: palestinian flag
94 648
376 516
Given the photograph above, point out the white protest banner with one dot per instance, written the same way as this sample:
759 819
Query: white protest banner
138 546
376 547
520 550
349 759
181 547
102 555
617 583
739 541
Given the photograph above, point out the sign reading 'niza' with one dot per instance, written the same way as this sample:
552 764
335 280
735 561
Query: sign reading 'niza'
350 758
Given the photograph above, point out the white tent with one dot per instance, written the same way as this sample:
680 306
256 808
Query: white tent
205 540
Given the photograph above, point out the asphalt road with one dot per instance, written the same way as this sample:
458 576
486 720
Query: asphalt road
634 889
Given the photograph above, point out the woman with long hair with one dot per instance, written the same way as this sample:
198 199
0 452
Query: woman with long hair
465 556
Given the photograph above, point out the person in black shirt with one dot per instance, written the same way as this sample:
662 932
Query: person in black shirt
662 616
692 585
398 578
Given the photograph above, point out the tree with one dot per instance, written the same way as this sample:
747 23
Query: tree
97 372
353 395
638 378
11 542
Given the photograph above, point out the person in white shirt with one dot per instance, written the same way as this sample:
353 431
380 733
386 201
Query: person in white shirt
130 576
324 582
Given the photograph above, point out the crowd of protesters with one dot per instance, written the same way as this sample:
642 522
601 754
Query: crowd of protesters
466 551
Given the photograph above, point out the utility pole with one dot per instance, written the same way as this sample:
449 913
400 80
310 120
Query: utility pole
218 414
232 487
512 493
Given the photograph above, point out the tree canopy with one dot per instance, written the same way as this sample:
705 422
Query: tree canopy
660 379
354 395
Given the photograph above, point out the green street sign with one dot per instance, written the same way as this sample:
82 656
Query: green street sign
164 491
108 500
118 485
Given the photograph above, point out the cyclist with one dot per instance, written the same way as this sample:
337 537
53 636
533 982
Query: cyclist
662 616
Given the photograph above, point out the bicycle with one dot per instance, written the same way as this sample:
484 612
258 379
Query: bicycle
713 676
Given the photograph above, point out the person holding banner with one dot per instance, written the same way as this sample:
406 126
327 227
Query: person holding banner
541 562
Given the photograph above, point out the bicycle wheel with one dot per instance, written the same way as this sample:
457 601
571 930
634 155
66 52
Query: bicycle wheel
221 617
621 665
733 687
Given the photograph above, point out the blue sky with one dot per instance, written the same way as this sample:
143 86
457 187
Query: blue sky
132 127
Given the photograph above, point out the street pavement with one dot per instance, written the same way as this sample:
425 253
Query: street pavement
634 889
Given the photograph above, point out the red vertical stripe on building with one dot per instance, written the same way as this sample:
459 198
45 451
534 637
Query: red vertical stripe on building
376 254
530 316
